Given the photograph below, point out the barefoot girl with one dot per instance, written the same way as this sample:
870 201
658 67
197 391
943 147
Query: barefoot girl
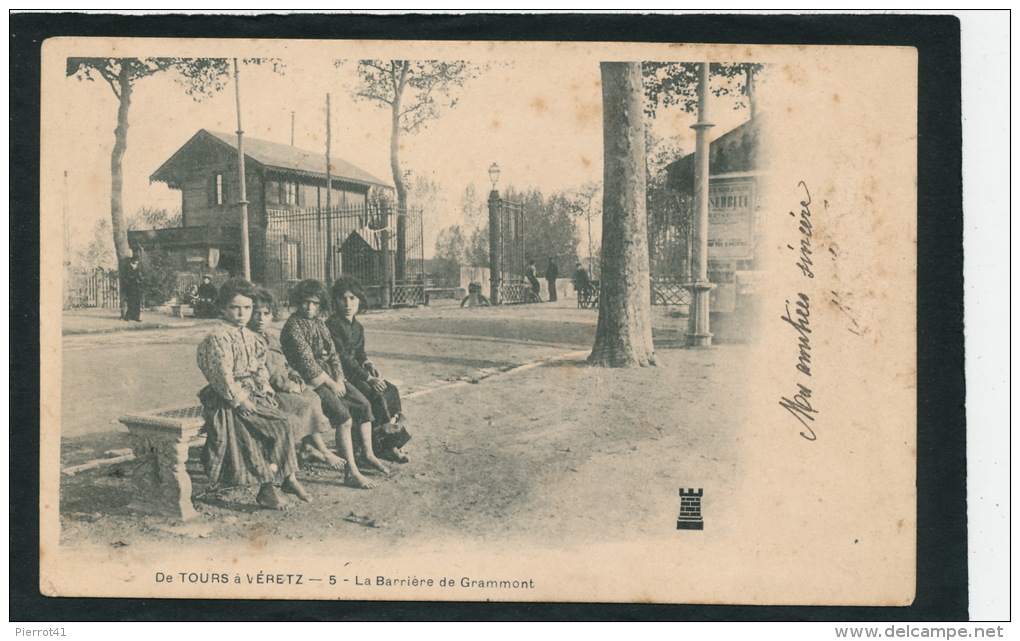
249 438
309 350
349 338
296 399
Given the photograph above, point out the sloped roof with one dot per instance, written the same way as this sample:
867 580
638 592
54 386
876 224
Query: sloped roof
371 237
276 156
738 150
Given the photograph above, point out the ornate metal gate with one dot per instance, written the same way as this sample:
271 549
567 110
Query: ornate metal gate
506 251
669 253
378 245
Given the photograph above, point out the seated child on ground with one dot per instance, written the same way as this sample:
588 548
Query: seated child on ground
309 350
475 298
349 339
298 400
249 438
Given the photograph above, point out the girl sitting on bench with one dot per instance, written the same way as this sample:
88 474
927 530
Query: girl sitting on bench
309 350
296 398
249 437
349 338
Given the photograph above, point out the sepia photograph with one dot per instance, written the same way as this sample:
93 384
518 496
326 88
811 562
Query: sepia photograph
479 320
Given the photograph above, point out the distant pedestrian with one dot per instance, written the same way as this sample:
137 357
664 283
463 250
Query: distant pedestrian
551 273
580 278
205 305
132 283
583 287
536 288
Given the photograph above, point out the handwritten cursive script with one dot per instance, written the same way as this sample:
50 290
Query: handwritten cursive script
798 316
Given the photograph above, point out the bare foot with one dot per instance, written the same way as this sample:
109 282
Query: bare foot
357 480
270 498
375 463
334 461
292 486
310 453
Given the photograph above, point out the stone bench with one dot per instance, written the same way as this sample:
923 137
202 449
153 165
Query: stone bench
160 440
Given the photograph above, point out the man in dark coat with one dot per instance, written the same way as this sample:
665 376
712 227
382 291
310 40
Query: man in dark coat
551 273
131 284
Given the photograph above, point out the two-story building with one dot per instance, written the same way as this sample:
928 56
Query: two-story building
290 235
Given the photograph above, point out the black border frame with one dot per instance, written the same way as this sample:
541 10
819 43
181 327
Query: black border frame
942 572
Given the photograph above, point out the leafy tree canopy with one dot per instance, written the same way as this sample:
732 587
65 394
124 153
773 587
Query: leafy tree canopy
200 77
676 84
415 89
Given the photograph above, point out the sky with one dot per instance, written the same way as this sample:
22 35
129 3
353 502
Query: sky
539 120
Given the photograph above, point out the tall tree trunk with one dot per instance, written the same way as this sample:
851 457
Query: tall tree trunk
120 240
398 175
749 89
623 337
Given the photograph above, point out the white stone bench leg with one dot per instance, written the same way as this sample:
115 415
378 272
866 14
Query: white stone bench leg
160 441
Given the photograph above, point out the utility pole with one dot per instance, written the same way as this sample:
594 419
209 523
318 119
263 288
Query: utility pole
698 333
329 195
243 196
292 129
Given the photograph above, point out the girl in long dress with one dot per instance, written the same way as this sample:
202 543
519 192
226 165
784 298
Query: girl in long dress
349 337
296 398
249 439
309 350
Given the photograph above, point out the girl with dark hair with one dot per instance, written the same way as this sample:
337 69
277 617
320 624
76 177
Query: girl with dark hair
309 350
349 339
249 438
296 398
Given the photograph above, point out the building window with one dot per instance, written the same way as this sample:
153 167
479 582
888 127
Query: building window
218 193
289 193
291 267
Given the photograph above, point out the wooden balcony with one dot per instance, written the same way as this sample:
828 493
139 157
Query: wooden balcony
187 237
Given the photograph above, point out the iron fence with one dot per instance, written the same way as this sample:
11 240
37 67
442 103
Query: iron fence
379 245
91 288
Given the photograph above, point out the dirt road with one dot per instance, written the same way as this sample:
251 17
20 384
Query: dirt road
558 452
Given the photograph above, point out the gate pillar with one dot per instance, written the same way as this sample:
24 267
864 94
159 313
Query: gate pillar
495 249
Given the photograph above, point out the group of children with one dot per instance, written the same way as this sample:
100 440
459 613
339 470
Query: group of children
270 400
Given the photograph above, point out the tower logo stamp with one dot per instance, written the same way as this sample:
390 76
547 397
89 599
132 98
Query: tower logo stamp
690 510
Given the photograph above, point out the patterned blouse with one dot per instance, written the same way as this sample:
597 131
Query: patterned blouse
349 338
233 360
309 350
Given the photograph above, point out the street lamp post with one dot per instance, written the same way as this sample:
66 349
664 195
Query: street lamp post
495 240
698 334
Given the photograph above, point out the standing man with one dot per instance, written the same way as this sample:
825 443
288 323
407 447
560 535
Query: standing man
551 273
131 288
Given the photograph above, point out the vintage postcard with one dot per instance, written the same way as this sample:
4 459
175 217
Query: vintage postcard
624 322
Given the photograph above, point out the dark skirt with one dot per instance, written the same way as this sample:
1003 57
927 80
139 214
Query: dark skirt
385 407
339 409
245 450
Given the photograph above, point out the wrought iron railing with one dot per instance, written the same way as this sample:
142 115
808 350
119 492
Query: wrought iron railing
379 245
